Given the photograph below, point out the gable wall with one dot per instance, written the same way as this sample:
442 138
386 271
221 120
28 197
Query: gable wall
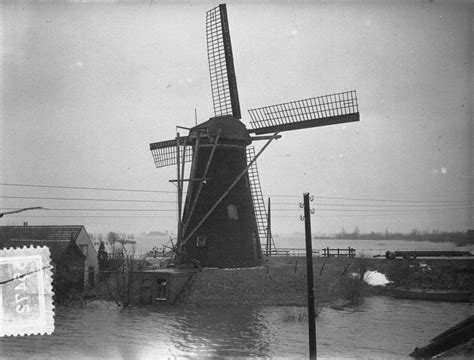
91 256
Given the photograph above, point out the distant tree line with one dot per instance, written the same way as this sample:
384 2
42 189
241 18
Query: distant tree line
158 233
458 237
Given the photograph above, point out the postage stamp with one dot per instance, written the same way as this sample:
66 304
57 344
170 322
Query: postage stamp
26 292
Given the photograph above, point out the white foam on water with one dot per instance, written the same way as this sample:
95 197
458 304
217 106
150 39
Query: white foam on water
375 278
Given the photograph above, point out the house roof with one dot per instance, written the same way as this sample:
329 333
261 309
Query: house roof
56 247
42 232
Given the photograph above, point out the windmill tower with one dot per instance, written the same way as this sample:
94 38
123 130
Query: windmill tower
219 225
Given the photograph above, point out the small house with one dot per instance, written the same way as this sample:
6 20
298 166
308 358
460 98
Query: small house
163 286
75 233
67 261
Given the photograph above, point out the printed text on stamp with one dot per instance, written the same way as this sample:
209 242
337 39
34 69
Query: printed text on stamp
26 295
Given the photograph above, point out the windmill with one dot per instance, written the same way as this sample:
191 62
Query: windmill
221 222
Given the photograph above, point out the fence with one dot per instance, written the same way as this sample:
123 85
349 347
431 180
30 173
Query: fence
289 252
326 252
349 252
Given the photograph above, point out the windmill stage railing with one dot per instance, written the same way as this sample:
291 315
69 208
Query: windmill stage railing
318 111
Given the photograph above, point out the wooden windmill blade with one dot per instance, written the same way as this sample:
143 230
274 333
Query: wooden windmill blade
165 152
301 114
257 196
221 63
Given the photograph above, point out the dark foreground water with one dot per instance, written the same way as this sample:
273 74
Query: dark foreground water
379 328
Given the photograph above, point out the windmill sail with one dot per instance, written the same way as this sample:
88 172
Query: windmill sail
301 114
164 152
221 63
257 197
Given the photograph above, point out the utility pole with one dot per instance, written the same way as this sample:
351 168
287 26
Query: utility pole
309 276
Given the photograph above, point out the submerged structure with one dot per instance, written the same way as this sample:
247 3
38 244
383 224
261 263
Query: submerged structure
223 220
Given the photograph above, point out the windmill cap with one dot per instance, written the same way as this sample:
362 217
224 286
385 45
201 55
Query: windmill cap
232 130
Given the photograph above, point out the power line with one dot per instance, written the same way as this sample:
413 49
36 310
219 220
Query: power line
341 212
271 195
86 199
69 209
369 215
374 200
174 201
381 210
94 216
173 216
376 205
397 201
87 188
394 211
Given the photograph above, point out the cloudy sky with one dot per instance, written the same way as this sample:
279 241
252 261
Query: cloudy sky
86 87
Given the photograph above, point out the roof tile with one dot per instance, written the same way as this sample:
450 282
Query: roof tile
56 247
41 232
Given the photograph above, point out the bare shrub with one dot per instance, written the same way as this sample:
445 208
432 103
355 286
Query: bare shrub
354 294
119 276
300 314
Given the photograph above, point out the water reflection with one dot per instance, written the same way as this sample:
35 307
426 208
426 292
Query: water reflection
223 332
378 328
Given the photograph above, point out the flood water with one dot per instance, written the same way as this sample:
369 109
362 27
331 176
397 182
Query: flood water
368 247
362 247
379 328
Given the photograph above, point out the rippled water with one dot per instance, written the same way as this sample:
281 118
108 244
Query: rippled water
379 328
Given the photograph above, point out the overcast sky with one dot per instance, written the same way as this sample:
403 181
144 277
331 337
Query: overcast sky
86 87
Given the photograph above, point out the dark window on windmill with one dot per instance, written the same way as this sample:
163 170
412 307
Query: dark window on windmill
201 241
232 212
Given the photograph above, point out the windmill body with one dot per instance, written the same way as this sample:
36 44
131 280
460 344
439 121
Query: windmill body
218 226
229 236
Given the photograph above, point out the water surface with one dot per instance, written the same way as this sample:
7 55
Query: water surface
380 327
362 247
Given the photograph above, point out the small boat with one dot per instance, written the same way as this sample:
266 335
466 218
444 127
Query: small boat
432 294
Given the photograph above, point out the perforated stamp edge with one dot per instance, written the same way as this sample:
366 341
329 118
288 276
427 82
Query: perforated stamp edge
39 320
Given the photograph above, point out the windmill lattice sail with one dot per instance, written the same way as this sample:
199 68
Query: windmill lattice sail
221 63
164 152
301 114
257 196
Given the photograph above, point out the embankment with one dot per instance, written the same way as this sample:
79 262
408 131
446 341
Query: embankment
282 280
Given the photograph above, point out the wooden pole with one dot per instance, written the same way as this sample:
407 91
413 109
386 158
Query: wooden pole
192 176
204 174
269 230
179 187
183 163
309 276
